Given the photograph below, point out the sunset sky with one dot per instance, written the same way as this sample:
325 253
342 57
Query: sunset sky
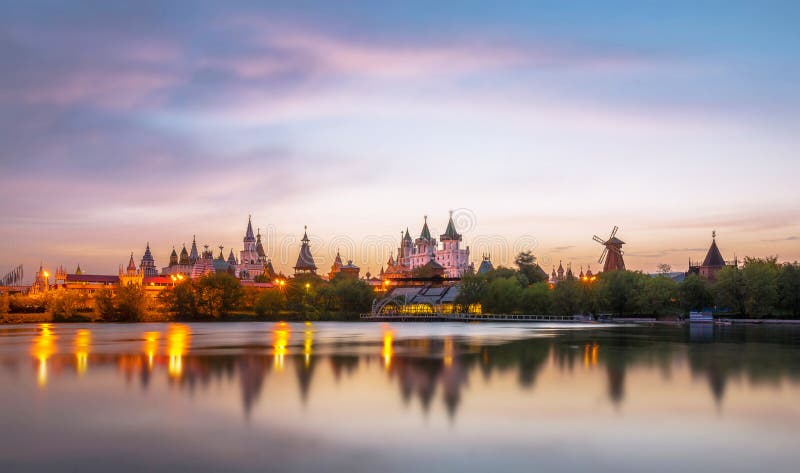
538 123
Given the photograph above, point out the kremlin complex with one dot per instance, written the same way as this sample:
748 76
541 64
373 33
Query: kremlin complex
443 259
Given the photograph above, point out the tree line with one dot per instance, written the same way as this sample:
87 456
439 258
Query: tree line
760 288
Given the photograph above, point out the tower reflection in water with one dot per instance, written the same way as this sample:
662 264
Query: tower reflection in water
423 366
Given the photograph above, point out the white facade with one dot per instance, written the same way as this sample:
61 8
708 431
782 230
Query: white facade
449 254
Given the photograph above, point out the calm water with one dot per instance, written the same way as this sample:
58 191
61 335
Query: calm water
398 397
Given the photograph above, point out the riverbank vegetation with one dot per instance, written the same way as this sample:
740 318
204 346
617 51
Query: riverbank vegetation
760 288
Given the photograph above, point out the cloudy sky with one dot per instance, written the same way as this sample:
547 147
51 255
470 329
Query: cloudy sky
538 123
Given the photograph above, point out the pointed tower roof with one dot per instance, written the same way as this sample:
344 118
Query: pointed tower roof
390 263
173 257
450 233
184 259
425 234
131 264
231 258
248 235
714 258
305 261
407 236
147 254
193 254
78 270
338 259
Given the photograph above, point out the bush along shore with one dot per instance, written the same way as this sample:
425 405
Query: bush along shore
760 289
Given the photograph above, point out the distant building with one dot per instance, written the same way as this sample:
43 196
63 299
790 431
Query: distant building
343 270
450 259
712 264
486 265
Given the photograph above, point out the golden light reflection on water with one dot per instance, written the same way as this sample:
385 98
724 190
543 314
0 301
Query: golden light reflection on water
448 351
83 340
151 347
178 339
388 349
44 347
590 354
308 340
281 335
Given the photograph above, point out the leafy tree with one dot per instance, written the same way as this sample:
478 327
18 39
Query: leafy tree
658 296
270 303
535 299
729 290
64 305
500 272
566 298
217 294
526 264
5 305
181 300
619 290
694 293
789 288
261 278
761 286
502 296
130 303
664 268
471 290
104 305
352 295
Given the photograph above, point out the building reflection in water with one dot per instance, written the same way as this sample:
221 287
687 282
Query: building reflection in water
178 339
83 339
423 367
44 346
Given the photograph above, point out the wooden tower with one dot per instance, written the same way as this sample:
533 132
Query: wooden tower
612 253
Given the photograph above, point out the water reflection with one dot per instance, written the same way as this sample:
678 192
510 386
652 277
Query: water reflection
423 366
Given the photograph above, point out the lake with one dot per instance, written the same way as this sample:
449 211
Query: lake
417 397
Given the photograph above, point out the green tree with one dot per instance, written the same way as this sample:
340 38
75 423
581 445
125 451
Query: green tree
130 303
502 296
104 305
694 293
789 288
471 290
270 303
181 300
760 286
64 305
535 299
566 298
619 290
526 264
659 296
729 290
5 305
352 295
217 294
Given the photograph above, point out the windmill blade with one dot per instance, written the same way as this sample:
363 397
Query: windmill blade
613 232
599 240
603 255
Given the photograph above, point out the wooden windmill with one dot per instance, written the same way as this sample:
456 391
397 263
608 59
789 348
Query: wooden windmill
612 253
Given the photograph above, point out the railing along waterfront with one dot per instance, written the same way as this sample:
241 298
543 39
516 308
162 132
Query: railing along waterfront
475 317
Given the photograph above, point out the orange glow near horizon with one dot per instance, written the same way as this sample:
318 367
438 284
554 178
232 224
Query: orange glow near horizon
43 348
179 339
83 340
